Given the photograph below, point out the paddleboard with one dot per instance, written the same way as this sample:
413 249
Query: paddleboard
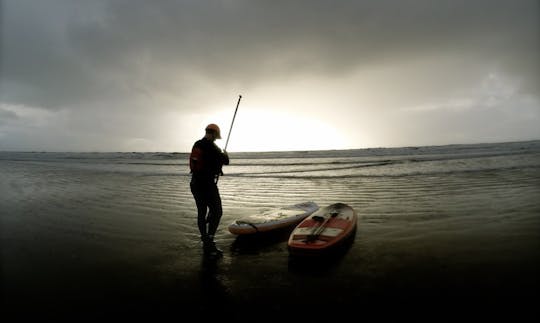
323 230
274 219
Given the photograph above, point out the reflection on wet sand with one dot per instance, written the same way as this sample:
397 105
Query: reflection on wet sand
215 298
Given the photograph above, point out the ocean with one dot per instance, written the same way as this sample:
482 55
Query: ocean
443 232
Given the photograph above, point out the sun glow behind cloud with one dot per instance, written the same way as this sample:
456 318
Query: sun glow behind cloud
258 129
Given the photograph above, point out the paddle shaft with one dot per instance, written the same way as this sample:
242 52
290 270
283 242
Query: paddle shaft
232 122
230 129
319 229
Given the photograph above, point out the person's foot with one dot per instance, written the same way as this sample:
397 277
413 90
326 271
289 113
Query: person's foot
211 249
215 253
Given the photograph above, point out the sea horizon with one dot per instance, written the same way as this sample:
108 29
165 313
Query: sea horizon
272 151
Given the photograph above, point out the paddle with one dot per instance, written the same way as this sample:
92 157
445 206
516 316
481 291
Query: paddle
321 227
229 135
232 122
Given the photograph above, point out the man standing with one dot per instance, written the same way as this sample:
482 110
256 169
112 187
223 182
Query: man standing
206 161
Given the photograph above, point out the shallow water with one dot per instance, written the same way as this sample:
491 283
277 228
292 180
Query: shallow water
116 232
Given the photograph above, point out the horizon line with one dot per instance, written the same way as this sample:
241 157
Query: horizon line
269 151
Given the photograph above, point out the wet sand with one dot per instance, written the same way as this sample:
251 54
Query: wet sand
91 240
371 277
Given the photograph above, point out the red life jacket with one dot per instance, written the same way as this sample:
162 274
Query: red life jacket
196 162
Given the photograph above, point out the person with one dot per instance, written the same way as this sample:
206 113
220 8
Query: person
206 161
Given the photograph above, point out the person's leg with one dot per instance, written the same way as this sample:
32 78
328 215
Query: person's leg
215 210
214 216
202 205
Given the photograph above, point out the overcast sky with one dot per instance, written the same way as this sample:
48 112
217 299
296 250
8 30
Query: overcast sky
107 75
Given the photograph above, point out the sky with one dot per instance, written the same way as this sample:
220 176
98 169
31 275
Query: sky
113 75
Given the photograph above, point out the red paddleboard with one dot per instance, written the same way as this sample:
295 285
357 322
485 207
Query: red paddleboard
324 230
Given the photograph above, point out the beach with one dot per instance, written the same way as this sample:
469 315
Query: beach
443 232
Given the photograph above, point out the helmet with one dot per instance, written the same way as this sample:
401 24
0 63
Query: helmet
214 127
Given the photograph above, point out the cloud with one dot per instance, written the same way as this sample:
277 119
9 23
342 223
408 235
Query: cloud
7 115
60 53
139 59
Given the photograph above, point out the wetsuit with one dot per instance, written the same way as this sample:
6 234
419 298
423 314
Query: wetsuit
206 162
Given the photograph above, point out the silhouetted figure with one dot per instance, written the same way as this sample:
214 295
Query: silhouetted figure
206 161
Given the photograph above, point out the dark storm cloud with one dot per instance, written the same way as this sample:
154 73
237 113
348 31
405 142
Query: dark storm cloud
75 53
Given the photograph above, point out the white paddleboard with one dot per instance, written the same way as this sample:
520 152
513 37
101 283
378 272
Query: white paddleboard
274 219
